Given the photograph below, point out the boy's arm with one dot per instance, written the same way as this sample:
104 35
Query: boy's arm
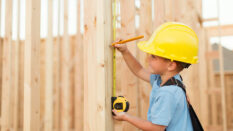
144 125
135 66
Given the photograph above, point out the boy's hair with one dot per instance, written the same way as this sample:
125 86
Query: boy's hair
180 65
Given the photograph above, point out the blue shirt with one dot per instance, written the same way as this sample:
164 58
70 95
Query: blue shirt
168 106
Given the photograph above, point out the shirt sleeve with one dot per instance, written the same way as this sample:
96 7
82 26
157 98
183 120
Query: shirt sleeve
163 108
153 78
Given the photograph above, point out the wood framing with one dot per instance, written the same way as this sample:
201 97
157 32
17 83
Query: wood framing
212 55
79 87
65 75
48 119
57 73
203 82
226 30
222 85
31 67
6 114
98 65
15 72
146 29
211 81
210 19
124 77
221 69
1 58
159 13
64 82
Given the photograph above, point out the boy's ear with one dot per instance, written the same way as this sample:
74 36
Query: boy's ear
172 66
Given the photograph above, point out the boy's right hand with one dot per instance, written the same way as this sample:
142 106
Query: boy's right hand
121 47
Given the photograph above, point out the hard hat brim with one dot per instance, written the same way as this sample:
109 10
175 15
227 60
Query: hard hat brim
146 47
149 48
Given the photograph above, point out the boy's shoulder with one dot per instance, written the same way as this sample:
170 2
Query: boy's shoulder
173 90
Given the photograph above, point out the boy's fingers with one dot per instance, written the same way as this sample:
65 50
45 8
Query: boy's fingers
114 113
118 40
118 45
112 46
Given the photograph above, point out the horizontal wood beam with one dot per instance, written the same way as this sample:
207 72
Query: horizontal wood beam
210 19
212 55
226 30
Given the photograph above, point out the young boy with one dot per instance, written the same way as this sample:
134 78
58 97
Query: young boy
172 47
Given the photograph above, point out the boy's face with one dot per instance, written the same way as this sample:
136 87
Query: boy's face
158 64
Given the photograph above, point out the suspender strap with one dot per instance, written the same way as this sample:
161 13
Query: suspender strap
174 81
195 121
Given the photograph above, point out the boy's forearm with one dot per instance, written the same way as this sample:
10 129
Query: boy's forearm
144 125
131 61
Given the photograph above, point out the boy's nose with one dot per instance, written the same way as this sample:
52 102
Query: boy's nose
148 58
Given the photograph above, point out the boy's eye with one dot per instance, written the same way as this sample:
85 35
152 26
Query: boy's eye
152 56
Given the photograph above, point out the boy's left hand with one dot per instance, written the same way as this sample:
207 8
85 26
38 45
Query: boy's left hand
120 116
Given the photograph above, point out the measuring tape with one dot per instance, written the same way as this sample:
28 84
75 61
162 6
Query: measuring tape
120 103
114 50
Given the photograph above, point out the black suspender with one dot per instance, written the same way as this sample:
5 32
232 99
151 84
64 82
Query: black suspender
195 121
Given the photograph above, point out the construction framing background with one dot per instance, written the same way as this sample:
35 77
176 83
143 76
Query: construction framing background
64 82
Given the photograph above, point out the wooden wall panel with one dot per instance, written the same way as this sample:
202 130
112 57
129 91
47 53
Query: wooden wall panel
79 86
7 96
31 67
57 72
126 85
65 75
145 28
48 120
98 65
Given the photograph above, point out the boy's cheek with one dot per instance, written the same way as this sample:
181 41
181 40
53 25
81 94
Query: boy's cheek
150 68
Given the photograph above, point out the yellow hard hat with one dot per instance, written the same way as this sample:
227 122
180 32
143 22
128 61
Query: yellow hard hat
173 41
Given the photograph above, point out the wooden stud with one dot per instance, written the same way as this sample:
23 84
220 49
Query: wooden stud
1 58
21 82
128 80
159 13
98 65
221 66
65 75
79 74
57 74
145 28
228 84
31 67
211 84
169 10
203 79
6 115
15 72
49 71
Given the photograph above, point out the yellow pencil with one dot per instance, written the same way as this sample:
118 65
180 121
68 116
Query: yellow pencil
128 40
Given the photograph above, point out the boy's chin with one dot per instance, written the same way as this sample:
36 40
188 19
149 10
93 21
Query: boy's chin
155 72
